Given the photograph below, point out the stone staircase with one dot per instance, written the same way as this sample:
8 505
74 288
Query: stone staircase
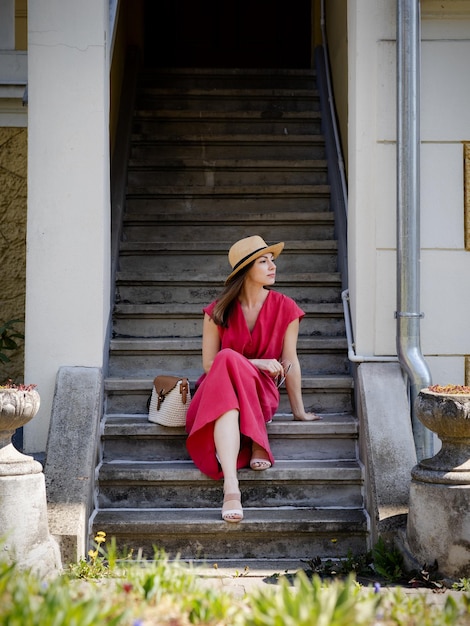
216 156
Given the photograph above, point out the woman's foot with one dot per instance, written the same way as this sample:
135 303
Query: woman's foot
259 459
232 508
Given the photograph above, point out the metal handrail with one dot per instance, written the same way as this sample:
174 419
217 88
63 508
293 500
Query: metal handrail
336 172
334 124
352 356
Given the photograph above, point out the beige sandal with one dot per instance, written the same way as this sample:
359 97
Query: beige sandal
232 508
259 459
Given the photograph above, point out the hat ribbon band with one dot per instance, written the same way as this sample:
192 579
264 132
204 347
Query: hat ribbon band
247 257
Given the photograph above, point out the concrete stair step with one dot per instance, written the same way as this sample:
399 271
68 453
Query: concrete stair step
173 257
194 344
307 279
128 437
249 198
264 533
162 320
199 287
178 484
318 355
291 147
228 172
253 99
226 225
241 78
322 394
183 122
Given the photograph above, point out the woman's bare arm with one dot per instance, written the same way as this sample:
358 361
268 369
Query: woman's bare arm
294 376
210 342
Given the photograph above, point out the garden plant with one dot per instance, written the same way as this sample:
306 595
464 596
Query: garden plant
109 590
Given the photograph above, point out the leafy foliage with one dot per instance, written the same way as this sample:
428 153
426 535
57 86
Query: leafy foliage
129 591
388 561
309 602
9 336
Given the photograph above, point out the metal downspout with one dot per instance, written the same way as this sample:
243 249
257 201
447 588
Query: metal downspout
408 213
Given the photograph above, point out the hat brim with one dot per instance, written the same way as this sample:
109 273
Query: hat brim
275 250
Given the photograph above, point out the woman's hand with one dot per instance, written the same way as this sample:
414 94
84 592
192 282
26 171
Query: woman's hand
307 416
272 366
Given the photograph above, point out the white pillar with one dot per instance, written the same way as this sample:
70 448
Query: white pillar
68 230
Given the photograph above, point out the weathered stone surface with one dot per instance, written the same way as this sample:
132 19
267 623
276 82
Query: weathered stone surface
72 457
23 520
449 417
438 526
17 407
387 445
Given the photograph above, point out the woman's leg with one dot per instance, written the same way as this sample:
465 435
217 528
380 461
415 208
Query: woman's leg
259 458
227 445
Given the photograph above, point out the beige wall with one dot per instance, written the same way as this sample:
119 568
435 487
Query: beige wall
13 185
444 122
21 25
337 34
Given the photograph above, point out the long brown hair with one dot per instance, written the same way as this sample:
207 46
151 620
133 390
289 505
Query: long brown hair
228 296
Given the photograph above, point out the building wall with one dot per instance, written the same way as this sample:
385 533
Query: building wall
68 229
13 196
13 178
445 264
21 24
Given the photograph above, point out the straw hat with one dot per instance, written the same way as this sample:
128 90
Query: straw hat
247 250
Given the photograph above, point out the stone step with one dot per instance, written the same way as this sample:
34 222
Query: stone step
228 172
290 147
322 394
169 123
179 484
199 287
237 199
240 78
253 99
143 357
226 225
264 533
162 320
320 256
127 437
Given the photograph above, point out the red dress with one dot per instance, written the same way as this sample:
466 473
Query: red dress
234 383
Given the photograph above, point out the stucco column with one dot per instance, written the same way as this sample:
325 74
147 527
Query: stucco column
68 228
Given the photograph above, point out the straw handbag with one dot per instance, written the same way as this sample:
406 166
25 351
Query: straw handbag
169 401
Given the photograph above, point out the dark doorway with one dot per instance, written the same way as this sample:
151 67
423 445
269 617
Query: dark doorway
227 33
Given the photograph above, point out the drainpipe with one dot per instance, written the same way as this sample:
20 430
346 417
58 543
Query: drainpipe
408 314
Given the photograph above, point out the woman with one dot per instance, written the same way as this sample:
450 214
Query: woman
249 347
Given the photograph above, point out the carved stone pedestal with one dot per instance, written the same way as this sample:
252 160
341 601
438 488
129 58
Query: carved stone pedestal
24 528
439 510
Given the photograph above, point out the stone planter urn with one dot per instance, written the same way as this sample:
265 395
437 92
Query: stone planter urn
439 509
17 408
24 529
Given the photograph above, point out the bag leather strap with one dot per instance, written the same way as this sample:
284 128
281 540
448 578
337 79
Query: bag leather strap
164 384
